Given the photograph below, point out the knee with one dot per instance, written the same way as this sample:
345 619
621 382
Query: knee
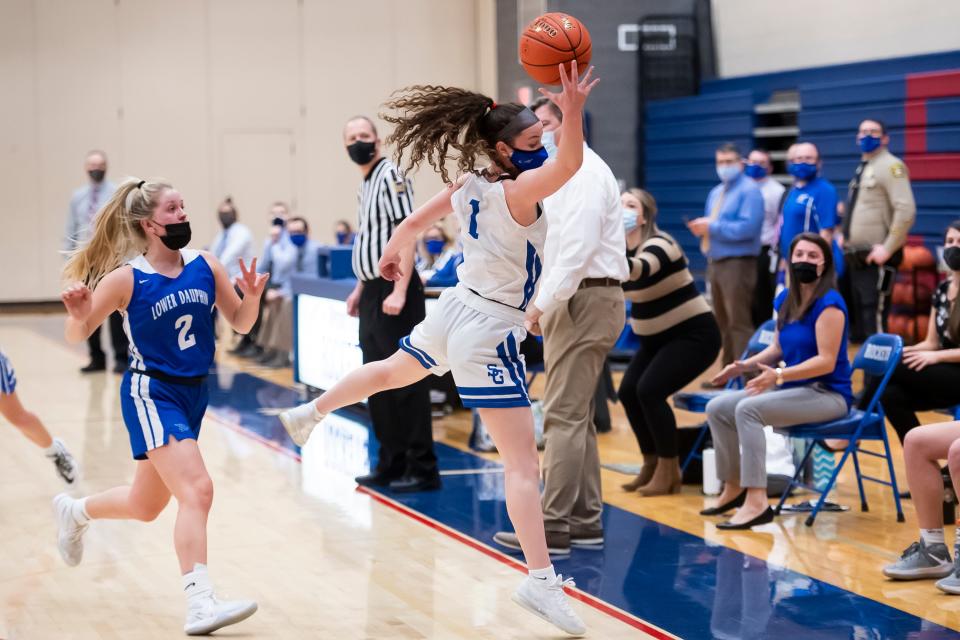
747 412
953 455
717 410
148 512
525 465
199 493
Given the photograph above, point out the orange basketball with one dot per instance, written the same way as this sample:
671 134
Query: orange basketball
550 40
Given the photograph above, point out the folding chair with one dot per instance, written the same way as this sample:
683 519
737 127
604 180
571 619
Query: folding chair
696 401
878 357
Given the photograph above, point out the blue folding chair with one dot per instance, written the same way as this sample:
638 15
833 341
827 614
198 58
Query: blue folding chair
696 401
878 357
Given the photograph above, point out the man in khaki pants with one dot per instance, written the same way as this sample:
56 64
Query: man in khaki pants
580 309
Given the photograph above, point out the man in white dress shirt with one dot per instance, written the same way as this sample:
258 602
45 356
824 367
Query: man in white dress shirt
233 242
580 308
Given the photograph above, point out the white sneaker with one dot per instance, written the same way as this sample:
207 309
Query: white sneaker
300 422
206 614
67 467
69 531
546 599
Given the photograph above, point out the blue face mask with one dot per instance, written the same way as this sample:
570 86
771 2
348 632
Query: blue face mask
549 143
728 173
629 219
802 170
868 144
525 160
434 247
755 171
342 237
298 239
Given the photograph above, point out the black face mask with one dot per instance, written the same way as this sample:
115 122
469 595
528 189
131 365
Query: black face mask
97 175
178 235
227 218
951 255
278 221
362 152
806 272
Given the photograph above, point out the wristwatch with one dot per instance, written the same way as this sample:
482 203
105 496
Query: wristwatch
779 372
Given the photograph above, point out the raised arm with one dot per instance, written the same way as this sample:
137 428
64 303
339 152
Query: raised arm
533 186
86 309
241 314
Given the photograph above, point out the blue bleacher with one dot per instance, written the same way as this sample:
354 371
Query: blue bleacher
682 134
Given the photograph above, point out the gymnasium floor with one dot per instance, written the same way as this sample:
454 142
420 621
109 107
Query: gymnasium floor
325 560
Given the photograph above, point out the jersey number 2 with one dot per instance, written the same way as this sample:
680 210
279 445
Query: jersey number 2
185 339
474 210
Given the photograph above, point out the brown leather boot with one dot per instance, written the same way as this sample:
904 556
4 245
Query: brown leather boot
646 473
666 479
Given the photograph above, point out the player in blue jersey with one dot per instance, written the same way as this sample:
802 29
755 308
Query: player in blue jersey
477 325
29 424
166 294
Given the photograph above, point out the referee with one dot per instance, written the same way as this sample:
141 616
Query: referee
389 311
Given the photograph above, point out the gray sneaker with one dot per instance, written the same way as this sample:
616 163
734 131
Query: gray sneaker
920 561
951 583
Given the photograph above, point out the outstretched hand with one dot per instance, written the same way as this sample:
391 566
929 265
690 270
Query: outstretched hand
78 299
574 90
249 281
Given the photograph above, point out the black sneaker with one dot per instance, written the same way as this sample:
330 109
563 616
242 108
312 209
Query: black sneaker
94 366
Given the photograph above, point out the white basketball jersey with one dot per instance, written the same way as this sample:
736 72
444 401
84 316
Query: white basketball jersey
502 260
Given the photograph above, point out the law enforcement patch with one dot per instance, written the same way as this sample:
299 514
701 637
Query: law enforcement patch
897 170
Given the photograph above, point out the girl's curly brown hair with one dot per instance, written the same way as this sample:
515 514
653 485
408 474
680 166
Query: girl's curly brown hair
433 119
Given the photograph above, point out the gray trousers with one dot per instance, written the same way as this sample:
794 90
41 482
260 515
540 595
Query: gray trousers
736 423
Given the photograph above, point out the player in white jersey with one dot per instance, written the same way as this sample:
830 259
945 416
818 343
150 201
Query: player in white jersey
477 326
167 295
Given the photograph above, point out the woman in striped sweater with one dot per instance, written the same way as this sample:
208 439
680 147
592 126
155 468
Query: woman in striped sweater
679 340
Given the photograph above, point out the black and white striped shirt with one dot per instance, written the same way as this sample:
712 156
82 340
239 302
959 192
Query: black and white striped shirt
385 199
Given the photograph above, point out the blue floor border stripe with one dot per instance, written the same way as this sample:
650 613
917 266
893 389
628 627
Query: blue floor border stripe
676 581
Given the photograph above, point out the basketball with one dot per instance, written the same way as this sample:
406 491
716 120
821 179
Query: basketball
550 40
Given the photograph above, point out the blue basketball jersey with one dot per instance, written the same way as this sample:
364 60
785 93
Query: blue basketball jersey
169 321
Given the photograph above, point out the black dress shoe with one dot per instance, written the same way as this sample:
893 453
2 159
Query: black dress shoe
94 366
120 367
374 479
412 484
764 518
723 508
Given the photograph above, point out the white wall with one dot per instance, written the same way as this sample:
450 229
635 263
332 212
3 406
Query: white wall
758 36
240 97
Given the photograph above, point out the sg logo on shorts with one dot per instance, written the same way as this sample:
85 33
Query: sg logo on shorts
495 373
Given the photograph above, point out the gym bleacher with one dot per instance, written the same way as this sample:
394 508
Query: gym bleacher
918 97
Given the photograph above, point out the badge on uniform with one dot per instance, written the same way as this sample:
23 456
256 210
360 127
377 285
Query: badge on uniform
400 185
897 170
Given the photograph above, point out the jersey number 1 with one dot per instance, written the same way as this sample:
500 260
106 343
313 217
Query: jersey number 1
474 210
185 339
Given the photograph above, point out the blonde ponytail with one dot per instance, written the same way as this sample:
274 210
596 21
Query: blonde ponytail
116 235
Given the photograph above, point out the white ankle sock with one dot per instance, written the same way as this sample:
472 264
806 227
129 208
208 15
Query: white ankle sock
547 574
79 511
196 583
316 413
932 536
53 449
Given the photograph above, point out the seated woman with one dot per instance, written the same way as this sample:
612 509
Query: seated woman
923 449
804 377
679 340
928 377
435 253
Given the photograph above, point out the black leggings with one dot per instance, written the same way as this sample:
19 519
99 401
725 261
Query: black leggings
664 364
936 386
